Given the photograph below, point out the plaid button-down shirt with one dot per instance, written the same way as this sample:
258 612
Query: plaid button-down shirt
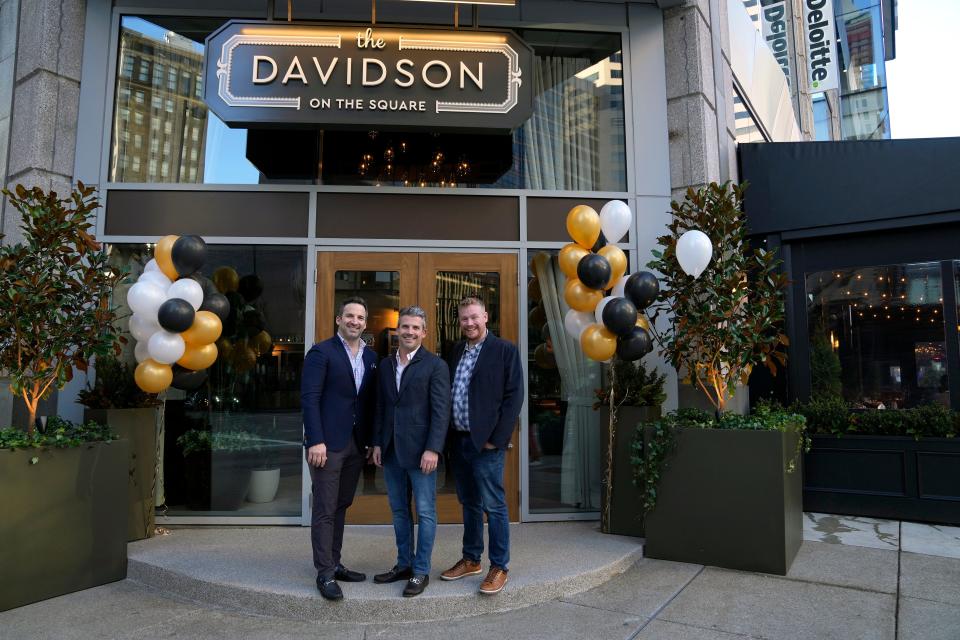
356 362
461 385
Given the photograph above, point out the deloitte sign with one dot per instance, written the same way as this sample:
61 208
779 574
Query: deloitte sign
775 22
821 50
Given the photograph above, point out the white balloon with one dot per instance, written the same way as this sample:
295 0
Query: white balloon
166 347
576 321
151 266
141 352
694 252
619 287
145 298
143 327
598 312
187 289
615 219
155 277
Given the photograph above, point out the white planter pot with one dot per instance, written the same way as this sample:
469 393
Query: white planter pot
263 485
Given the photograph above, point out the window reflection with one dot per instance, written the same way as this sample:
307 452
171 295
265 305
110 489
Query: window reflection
747 128
877 335
234 446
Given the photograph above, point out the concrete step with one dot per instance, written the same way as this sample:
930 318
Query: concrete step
269 570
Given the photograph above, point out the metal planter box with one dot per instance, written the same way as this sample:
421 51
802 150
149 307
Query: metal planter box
64 523
139 428
626 514
727 500
891 477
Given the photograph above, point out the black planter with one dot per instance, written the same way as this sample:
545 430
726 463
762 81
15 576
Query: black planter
217 481
727 500
891 477
626 514
64 521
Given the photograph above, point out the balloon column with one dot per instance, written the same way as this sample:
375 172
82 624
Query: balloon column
245 337
613 324
177 317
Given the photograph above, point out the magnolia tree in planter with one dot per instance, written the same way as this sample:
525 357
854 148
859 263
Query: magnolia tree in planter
729 493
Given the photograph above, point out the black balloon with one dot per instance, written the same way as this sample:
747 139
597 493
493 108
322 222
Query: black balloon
634 345
187 380
600 243
253 322
218 304
641 289
593 271
188 254
233 317
175 315
250 287
620 316
205 283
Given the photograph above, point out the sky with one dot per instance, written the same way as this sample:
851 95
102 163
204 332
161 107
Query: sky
922 81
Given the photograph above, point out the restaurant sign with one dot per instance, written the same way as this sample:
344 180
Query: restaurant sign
273 74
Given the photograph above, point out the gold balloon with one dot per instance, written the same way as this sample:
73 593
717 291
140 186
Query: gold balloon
206 328
224 348
618 263
226 279
262 342
163 254
642 321
598 342
244 358
197 357
533 290
570 257
581 297
544 358
152 376
583 225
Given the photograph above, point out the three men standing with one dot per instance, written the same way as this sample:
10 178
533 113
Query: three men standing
487 398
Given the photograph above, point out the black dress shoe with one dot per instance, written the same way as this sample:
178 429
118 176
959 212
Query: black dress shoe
345 575
329 588
416 585
393 575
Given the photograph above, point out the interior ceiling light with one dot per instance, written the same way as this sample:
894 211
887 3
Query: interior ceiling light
502 3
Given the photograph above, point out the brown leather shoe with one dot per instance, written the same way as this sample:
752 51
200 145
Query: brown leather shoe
494 581
462 569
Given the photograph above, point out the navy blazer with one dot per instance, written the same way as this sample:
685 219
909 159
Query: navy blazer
332 408
415 418
495 395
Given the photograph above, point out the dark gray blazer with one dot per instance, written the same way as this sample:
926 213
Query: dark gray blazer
415 418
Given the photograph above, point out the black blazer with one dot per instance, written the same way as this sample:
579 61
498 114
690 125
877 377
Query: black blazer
495 395
415 418
332 408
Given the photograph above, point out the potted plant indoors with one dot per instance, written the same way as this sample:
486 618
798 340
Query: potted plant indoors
729 493
62 487
897 464
638 394
265 475
114 399
217 467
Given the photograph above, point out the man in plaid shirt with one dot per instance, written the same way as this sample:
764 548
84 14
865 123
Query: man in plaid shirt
487 395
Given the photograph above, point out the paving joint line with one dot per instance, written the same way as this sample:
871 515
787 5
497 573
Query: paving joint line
896 611
725 631
663 606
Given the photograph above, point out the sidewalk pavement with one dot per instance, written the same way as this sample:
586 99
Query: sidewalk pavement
834 590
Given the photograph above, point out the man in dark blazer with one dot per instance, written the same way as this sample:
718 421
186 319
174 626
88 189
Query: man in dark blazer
338 398
487 397
412 417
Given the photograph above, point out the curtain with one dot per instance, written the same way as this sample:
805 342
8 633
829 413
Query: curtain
581 458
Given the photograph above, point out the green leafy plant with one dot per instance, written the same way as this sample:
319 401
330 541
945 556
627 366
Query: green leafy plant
825 368
196 441
54 293
59 433
728 320
633 386
835 417
114 387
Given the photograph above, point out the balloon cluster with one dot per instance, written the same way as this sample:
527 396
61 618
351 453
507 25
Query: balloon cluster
177 317
244 330
605 325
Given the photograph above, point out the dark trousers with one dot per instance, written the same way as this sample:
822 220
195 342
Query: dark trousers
334 485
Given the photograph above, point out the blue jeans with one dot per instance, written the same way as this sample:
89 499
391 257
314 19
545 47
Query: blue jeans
479 477
400 483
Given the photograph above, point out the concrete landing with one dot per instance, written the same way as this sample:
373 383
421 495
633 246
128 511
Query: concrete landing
269 571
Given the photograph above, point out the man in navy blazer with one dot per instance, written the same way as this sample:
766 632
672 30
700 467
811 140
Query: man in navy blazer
338 398
487 397
413 413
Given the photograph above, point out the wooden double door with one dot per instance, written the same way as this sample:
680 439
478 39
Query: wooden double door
436 282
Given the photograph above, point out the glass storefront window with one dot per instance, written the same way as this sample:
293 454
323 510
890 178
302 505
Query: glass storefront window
234 446
877 335
575 139
564 435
